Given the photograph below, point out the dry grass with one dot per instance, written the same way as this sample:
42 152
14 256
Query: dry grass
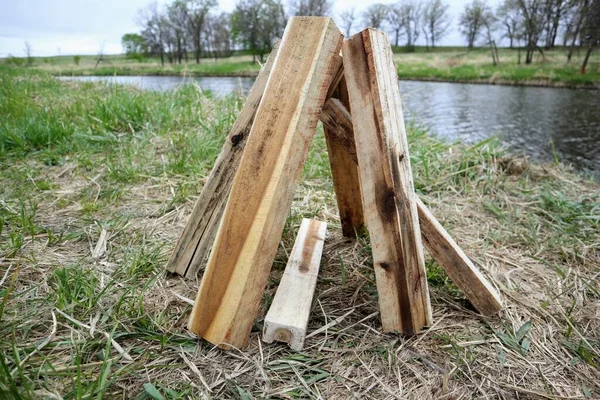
80 320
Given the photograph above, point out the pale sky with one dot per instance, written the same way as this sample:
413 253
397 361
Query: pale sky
68 27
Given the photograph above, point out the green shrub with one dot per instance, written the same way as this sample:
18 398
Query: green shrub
136 56
16 61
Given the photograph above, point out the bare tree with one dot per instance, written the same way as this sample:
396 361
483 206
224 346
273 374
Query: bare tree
531 12
311 8
411 14
473 20
177 20
28 53
348 17
100 56
554 12
510 19
591 30
395 22
197 13
150 20
375 15
489 26
575 24
436 20
257 24
218 35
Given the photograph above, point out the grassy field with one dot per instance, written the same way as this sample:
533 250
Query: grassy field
76 323
451 64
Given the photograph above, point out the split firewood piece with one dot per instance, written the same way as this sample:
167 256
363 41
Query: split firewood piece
389 200
287 318
339 137
457 265
444 250
199 233
264 184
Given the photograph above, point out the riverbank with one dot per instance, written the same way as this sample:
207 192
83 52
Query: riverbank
81 320
453 64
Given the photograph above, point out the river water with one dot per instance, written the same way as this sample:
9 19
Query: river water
544 123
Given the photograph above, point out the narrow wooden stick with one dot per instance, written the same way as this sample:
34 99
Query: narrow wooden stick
457 265
263 187
201 228
344 170
438 241
287 318
386 180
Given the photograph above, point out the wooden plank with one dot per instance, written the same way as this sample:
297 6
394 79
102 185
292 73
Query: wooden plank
199 233
457 265
263 187
438 241
287 318
389 201
339 137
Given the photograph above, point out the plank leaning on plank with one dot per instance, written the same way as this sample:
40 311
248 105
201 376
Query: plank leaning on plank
201 228
264 184
438 241
390 207
287 318
344 170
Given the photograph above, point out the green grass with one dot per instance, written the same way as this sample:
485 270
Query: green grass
451 64
78 158
461 65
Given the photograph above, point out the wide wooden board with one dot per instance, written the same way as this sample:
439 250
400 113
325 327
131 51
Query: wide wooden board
263 187
389 201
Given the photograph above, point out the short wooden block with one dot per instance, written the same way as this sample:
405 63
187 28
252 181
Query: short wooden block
288 316
201 228
264 184
389 200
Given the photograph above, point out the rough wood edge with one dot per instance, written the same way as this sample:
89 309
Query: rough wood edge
199 233
386 182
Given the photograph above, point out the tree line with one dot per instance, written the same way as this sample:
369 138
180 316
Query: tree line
534 25
185 29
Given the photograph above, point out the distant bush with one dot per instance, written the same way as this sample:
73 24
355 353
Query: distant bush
16 61
76 59
136 56
46 60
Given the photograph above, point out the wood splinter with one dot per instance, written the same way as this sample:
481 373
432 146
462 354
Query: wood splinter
287 319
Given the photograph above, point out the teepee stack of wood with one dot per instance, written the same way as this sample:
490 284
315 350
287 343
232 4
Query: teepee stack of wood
240 215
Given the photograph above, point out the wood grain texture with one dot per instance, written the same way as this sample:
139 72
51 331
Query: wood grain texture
457 265
339 137
389 201
199 233
263 187
287 318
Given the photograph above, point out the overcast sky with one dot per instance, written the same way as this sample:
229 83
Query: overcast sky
82 26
